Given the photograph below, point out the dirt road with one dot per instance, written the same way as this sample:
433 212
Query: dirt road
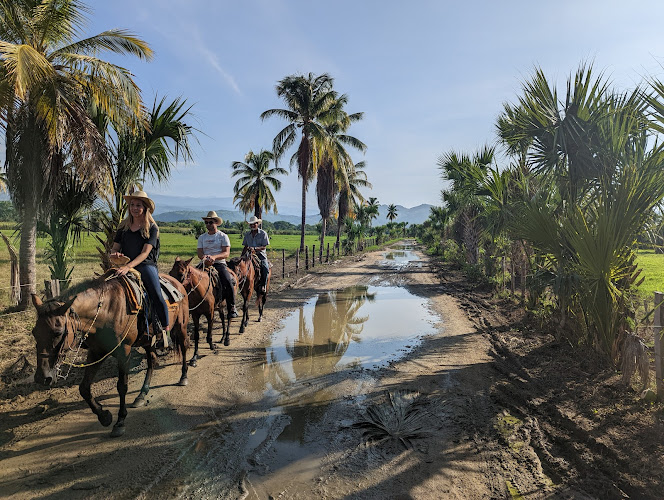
223 436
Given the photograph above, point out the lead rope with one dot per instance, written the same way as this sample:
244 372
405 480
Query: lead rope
85 336
206 291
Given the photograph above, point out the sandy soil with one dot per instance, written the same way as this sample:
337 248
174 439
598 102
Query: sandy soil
508 412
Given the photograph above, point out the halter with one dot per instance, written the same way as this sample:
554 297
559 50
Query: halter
76 321
187 278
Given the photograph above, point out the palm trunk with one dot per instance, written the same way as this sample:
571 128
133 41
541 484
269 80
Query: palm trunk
304 211
27 253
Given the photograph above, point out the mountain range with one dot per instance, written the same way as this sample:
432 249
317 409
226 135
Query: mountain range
175 208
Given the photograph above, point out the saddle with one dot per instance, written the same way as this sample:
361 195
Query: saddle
216 280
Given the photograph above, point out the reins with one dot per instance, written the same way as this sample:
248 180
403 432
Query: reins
196 286
73 313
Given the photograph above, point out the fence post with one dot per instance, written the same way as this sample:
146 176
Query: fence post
657 327
14 281
327 254
52 288
306 258
313 256
320 254
297 260
283 263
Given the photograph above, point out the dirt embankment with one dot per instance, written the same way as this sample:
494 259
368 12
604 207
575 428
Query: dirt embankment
503 410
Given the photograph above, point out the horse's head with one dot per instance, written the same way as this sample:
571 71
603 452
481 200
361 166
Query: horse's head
53 332
180 270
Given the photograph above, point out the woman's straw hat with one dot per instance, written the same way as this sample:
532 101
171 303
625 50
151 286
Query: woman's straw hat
140 195
213 215
254 220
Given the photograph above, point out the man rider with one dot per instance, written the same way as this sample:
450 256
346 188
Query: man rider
257 239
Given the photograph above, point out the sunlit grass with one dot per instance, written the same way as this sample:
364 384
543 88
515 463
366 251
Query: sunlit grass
653 272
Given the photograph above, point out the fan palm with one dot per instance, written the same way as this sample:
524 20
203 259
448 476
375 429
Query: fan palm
309 101
253 189
47 82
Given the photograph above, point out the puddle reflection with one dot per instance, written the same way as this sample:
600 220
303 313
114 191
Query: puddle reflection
358 327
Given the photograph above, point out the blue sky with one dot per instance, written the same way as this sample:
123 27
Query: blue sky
430 76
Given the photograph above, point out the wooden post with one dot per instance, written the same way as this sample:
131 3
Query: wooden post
313 256
306 258
320 254
657 328
14 282
327 254
283 263
52 288
297 261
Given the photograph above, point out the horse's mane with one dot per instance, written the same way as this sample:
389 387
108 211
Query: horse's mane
233 263
98 282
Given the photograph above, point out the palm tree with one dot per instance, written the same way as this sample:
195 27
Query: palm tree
47 82
391 212
309 100
143 154
253 189
350 196
372 209
335 163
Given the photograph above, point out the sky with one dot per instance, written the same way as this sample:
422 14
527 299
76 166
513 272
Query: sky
430 76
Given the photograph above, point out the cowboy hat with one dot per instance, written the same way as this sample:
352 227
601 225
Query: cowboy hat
140 195
213 215
254 220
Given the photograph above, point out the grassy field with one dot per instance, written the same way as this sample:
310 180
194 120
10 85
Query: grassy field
172 245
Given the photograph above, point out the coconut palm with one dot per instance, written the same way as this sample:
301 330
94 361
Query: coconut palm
350 196
372 209
309 101
253 189
334 162
391 212
47 83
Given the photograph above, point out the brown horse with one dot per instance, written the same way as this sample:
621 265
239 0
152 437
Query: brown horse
99 312
246 267
202 301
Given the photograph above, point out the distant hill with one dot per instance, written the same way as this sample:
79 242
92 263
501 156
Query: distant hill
415 215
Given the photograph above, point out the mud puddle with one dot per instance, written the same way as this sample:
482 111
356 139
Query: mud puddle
325 353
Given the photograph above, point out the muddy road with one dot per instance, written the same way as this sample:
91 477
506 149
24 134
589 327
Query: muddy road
273 414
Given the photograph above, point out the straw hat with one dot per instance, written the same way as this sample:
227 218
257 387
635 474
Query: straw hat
254 220
140 195
213 215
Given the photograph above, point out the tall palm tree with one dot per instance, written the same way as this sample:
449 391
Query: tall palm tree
334 162
391 212
309 100
350 195
253 189
47 81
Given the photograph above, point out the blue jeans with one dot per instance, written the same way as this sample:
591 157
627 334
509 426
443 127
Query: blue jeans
265 270
150 277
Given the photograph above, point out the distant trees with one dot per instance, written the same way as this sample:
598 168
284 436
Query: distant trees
392 212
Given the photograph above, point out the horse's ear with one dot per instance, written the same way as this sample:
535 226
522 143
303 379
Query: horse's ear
189 261
36 301
177 259
62 310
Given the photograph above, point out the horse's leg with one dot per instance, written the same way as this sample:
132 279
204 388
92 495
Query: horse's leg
194 359
104 416
210 322
245 314
180 329
150 357
123 382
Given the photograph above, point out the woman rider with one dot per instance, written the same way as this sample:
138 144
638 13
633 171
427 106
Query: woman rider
137 238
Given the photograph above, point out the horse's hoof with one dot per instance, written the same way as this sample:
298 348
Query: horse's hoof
183 381
138 402
259 320
212 348
193 363
105 418
118 430
227 342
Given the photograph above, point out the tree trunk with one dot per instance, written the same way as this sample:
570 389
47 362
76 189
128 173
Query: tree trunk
304 210
27 253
